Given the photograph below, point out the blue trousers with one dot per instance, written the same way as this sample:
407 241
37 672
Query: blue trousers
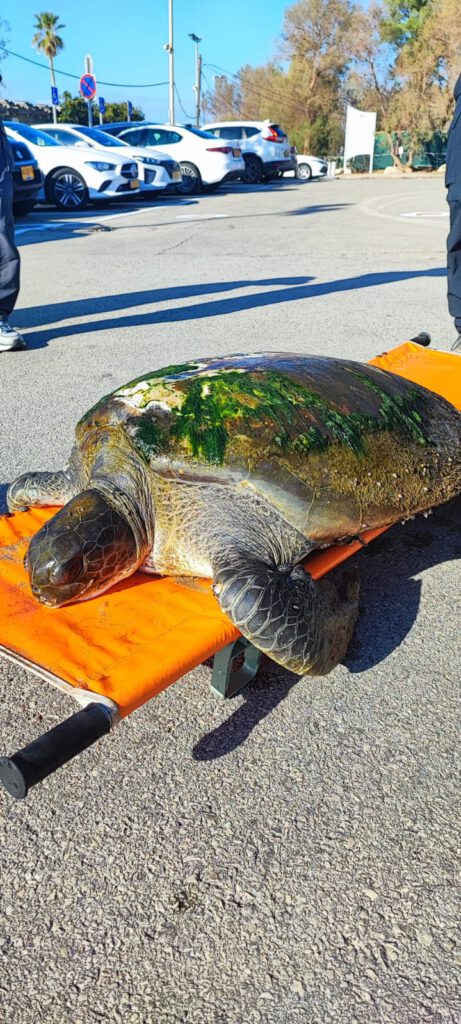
9 256
454 263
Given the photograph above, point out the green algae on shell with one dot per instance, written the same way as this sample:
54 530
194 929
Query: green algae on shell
209 411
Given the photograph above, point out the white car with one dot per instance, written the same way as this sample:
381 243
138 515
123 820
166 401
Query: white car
265 147
204 163
308 167
156 173
74 176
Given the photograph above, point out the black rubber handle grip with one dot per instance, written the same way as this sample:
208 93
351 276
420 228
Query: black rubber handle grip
44 755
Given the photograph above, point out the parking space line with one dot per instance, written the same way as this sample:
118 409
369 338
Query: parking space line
91 220
417 214
201 216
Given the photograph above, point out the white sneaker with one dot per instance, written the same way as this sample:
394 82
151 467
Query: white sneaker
10 339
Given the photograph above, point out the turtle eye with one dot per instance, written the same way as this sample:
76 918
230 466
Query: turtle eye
67 572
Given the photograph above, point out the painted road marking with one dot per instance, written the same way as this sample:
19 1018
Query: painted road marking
417 214
201 216
376 207
92 221
149 209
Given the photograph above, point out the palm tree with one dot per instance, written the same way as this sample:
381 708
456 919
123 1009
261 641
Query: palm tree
47 41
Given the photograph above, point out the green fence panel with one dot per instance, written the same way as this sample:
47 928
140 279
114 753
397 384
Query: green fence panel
430 154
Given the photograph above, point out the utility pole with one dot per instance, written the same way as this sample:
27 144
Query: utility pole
170 50
198 76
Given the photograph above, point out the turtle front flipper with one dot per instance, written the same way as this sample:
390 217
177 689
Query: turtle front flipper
34 489
303 624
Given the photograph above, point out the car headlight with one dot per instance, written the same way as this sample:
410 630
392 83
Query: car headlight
100 165
148 160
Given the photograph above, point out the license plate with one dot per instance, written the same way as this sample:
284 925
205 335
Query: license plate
134 183
27 173
176 176
236 152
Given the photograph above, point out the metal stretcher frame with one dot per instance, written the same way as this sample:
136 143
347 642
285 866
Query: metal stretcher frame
104 652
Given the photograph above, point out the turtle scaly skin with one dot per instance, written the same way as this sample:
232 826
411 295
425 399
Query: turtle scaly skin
236 467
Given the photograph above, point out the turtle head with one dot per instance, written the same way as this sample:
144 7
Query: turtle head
82 551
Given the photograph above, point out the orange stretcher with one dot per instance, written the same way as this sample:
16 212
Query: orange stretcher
115 652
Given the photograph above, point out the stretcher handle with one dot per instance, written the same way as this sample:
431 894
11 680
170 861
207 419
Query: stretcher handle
44 755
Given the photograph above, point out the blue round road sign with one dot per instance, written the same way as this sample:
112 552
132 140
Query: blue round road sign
88 86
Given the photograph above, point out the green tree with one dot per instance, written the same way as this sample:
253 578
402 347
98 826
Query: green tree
427 39
74 109
405 20
398 57
304 90
370 82
119 112
46 40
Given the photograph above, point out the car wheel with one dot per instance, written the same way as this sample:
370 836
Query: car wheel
191 180
21 208
304 172
253 171
67 189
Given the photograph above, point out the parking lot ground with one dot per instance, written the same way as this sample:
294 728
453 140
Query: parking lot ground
289 857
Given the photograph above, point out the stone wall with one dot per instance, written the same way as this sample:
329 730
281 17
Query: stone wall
28 113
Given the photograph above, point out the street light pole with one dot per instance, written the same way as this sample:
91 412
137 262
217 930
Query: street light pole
170 49
198 76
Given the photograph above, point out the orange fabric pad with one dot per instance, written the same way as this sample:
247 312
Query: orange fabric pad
147 632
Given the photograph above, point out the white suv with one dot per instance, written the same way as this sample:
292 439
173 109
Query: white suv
156 173
265 147
74 176
204 163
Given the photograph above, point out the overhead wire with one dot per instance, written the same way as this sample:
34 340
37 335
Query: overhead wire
210 87
238 77
257 91
190 117
67 74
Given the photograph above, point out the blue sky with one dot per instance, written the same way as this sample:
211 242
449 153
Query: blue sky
126 41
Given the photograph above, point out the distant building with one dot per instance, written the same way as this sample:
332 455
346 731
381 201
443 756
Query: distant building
28 113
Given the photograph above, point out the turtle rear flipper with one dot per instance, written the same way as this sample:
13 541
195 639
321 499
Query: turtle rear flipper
36 489
303 624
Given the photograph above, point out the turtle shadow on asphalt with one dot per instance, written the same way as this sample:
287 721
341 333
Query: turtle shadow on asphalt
390 593
389 603
287 290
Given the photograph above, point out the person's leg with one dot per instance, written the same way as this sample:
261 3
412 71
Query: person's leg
454 268
9 265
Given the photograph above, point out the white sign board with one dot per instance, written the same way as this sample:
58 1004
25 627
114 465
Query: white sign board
360 134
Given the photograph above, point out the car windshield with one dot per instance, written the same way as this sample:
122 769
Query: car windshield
198 131
31 134
100 137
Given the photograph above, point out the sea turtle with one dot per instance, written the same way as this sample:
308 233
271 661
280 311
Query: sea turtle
235 468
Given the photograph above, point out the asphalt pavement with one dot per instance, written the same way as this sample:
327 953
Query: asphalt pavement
290 856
